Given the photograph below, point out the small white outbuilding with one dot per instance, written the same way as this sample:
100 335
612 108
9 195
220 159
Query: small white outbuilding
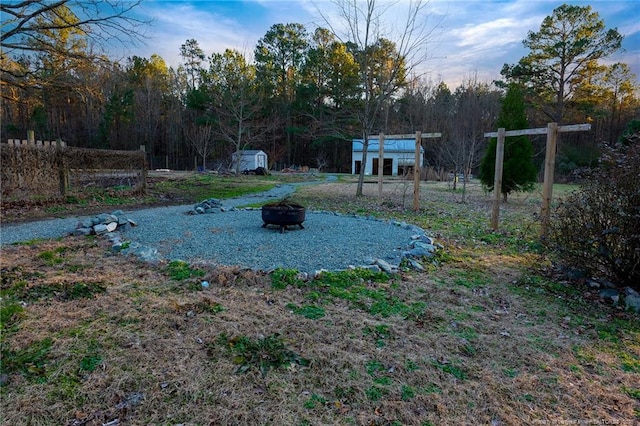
249 159
399 156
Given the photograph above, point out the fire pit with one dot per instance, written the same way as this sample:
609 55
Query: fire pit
283 214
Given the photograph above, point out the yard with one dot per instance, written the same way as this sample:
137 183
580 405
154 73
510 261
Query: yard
489 334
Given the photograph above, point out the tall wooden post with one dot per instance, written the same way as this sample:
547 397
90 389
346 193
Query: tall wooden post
31 137
416 173
143 174
380 164
497 181
549 167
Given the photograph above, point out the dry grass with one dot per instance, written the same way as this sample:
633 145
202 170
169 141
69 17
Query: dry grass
488 340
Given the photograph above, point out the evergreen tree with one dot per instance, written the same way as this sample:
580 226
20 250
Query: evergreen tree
518 172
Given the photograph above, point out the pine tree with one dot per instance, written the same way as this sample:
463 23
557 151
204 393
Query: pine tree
518 172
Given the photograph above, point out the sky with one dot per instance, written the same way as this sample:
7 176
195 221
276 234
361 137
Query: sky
468 38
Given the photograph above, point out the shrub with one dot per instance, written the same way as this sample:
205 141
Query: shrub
598 227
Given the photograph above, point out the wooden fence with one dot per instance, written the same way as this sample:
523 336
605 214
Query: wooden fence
52 170
39 143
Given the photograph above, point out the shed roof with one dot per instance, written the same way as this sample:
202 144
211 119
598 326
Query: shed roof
390 145
250 152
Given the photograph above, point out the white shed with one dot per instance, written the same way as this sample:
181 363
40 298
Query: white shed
399 156
250 159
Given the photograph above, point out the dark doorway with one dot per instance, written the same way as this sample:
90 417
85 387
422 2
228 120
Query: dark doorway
387 167
358 167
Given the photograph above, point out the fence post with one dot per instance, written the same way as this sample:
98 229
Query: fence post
497 183
549 166
63 173
143 174
380 164
416 173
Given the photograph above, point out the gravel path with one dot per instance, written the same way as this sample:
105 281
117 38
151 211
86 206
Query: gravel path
328 241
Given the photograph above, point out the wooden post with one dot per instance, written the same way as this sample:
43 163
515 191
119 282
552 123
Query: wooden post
143 174
497 182
416 173
380 164
549 166
31 138
551 131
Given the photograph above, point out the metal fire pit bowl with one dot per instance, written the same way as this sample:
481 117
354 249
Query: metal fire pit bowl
283 214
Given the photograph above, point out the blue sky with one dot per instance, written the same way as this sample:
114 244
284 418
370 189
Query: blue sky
470 37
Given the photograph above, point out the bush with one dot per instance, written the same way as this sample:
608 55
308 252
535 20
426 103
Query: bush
597 229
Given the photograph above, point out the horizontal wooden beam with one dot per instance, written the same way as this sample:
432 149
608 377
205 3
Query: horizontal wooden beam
541 130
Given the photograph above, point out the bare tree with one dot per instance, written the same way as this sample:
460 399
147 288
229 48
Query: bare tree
28 27
201 140
385 56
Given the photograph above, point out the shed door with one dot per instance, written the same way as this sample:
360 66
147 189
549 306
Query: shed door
387 167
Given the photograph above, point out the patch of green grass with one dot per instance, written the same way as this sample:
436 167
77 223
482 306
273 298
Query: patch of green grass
32 242
450 368
208 306
380 333
179 271
350 278
384 381
375 393
282 278
263 353
410 365
307 311
315 401
373 367
629 362
90 362
52 257
531 285
510 372
430 388
10 314
632 392
203 186
470 278
407 393
63 291
31 361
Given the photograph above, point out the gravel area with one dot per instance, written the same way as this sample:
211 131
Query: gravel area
328 241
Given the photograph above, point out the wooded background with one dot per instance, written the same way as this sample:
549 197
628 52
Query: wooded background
300 99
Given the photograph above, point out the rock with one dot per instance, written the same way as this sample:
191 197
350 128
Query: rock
100 229
87 223
372 267
386 266
148 254
200 210
628 291
593 284
418 252
132 222
416 265
610 295
576 274
632 303
111 226
82 232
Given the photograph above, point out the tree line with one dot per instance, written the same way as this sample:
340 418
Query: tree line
302 95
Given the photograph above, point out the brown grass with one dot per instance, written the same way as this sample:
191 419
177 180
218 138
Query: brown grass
494 343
